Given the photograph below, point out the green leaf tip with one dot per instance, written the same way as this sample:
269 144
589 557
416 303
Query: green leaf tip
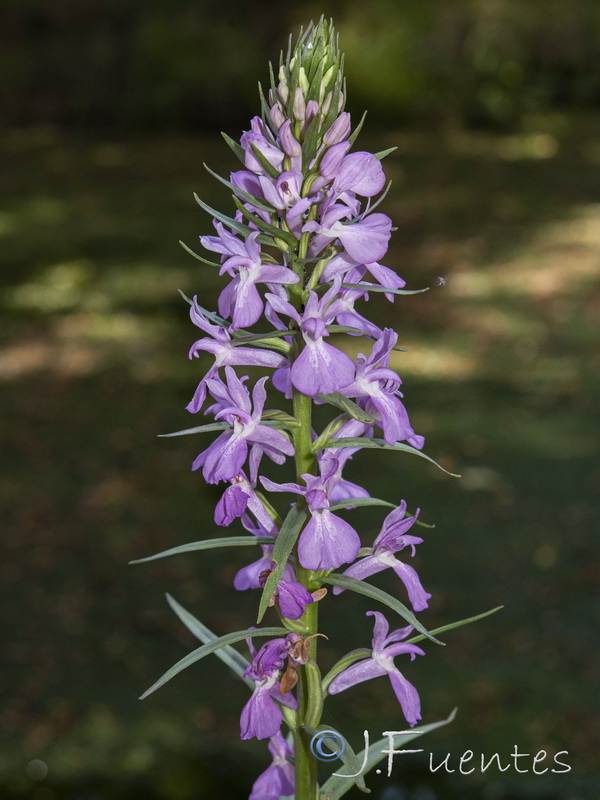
207 649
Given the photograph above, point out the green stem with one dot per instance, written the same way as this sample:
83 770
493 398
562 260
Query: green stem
305 762
309 683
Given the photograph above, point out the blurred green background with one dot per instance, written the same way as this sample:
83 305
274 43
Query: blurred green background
108 110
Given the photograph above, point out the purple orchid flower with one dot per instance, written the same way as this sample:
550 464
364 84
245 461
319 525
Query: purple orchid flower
257 137
291 596
327 541
233 503
261 716
353 272
278 778
391 540
365 241
339 487
328 169
241 497
320 367
346 314
360 173
222 346
381 662
378 388
283 193
240 299
224 458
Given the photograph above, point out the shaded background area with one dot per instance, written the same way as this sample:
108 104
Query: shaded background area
108 111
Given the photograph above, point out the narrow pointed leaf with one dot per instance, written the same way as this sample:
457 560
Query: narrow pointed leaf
270 341
186 298
309 146
225 426
360 587
208 544
356 131
316 80
280 424
265 110
240 192
458 624
345 329
229 655
276 345
383 153
257 337
380 444
371 287
207 649
337 785
244 230
265 238
370 209
242 335
348 757
196 256
357 502
208 314
266 227
284 543
333 112
349 406
237 148
211 426
280 416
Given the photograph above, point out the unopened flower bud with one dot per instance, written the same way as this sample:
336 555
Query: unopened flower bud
257 126
277 117
326 103
283 91
327 81
299 106
312 109
339 131
289 143
332 159
303 80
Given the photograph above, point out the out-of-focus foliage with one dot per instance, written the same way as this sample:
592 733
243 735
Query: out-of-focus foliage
183 63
